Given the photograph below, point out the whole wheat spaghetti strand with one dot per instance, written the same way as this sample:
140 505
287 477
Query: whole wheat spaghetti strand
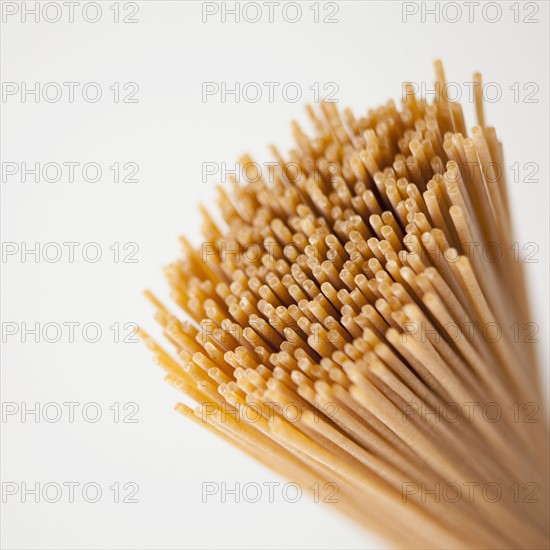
348 291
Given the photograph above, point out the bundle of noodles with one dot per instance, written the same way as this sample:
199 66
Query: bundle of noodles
355 323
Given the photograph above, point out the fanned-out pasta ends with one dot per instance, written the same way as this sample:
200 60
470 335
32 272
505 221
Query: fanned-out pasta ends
360 319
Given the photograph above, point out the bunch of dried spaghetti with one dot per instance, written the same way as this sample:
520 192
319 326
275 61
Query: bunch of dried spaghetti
350 324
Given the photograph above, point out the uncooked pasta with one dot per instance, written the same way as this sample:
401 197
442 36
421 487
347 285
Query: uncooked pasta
354 321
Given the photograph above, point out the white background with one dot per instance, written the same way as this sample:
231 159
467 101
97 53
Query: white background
169 133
